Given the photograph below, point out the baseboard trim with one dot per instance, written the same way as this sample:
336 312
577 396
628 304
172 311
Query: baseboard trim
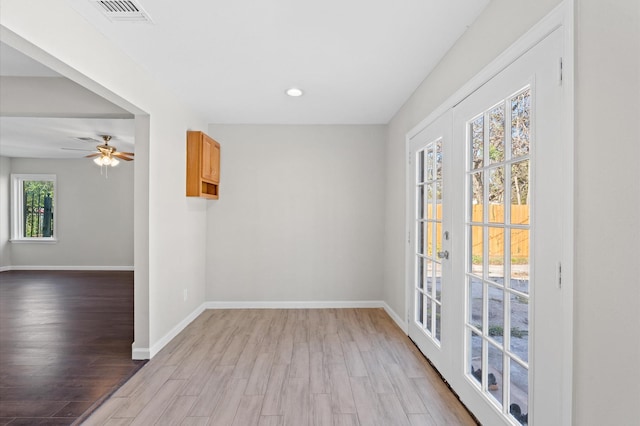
396 318
64 268
140 353
157 347
324 304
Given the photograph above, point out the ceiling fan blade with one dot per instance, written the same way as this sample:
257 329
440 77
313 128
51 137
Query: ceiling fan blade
131 154
78 149
86 139
92 155
122 157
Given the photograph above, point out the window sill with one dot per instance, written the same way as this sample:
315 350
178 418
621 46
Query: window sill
35 240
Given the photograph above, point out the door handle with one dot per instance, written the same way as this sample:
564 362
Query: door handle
443 254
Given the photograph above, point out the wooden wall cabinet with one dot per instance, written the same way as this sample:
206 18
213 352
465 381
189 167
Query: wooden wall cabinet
203 165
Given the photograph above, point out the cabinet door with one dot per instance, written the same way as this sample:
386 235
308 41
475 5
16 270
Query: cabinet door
210 159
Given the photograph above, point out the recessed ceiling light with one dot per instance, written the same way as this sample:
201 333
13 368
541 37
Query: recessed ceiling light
294 92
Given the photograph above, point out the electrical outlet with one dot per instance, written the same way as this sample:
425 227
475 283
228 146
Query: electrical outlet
186 294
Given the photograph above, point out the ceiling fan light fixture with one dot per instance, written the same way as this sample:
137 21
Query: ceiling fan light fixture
106 160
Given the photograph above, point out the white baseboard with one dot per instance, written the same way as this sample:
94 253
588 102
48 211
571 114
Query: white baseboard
64 268
140 353
157 347
325 304
396 318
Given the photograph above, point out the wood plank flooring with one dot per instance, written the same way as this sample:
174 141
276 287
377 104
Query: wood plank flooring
65 343
338 367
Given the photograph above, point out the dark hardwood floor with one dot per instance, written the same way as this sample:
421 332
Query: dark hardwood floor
65 343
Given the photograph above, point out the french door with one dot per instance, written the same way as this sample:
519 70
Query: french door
430 168
485 291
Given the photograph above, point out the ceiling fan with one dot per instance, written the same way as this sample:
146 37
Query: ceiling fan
107 155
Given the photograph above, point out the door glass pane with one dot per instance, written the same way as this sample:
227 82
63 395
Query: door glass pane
476 248
475 302
496 313
419 308
475 363
496 134
496 195
428 238
420 272
430 201
519 393
429 311
520 260
420 238
496 255
519 341
420 202
439 159
438 309
477 145
430 164
520 123
438 279
438 201
494 374
477 197
429 276
520 193
438 237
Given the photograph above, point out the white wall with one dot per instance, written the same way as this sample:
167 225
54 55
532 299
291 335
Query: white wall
300 214
5 185
169 244
607 206
94 215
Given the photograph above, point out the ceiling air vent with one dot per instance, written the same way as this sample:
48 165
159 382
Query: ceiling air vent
123 10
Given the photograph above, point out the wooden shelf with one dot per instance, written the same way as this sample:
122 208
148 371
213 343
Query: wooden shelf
203 165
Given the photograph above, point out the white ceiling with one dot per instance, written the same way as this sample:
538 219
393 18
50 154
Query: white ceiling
40 137
357 61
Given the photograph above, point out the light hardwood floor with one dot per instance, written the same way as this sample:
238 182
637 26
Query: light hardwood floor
338 367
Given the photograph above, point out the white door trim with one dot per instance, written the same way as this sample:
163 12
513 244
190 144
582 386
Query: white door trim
561 17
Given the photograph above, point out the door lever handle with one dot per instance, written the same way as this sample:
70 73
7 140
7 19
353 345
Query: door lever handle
443 254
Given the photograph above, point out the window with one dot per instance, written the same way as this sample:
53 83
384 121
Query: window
33 198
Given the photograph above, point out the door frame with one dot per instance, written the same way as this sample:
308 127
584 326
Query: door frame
562 17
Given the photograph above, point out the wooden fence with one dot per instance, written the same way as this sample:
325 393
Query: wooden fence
519 237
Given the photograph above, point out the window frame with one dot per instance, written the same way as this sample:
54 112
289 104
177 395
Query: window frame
17 207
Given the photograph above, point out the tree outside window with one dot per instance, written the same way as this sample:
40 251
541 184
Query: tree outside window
33 201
